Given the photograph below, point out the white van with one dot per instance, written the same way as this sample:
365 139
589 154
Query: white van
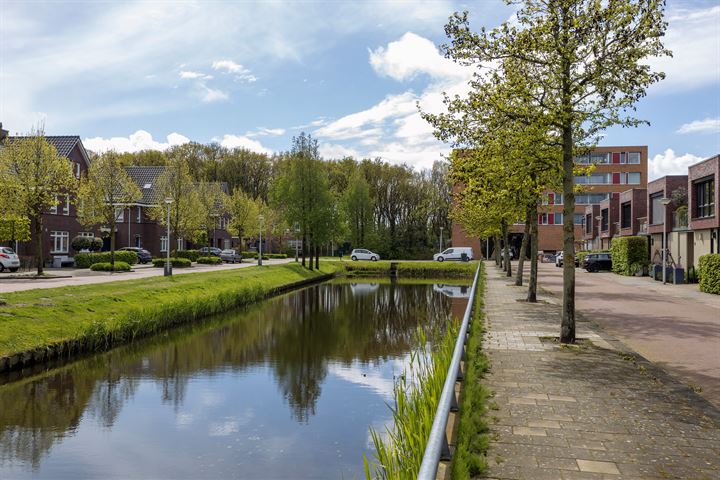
455 253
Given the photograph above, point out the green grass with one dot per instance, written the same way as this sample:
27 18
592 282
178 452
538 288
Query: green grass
411 269
470 458
96 317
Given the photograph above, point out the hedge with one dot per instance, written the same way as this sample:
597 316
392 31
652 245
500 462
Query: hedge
629 254
191 255
174 261
209 260
85 260
266 256
108 267
709 273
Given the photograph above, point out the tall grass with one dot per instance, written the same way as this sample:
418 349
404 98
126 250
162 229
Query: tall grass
413 269
399 453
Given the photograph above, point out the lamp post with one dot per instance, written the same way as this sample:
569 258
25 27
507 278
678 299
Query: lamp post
261 218
665 201
168 265
599 218
441 230
584 230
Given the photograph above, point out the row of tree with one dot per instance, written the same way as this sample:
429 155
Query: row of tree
547 83
392 209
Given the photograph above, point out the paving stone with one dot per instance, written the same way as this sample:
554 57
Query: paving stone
586 412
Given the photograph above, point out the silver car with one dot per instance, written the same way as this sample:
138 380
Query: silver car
363 254
9 260
230 256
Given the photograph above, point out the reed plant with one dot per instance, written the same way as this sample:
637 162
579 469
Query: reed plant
399 451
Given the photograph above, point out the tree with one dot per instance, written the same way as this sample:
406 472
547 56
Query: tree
34 176
213 203
587 61
243 212
14 228
104 193
186 211
358 207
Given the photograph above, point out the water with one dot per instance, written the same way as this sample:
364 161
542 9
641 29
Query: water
284 389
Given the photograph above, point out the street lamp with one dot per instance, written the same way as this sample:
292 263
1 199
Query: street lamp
665 201
261 218
441 230
599 218
168 265
584 230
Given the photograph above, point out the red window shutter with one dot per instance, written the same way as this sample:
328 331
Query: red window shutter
551 199
551 219
616 157
616 178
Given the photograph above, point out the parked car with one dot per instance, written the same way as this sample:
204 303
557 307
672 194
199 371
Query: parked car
143 255
464 254
363 254
230 256
559 259
594 262
205 251
9 259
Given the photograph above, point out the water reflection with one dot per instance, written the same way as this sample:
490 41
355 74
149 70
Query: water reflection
330 350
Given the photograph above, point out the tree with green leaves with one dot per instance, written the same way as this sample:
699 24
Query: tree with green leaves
358 208
581 66
243 212
34 177
213 204
177 185
104 193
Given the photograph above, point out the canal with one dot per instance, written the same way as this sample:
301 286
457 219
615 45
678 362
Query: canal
286 388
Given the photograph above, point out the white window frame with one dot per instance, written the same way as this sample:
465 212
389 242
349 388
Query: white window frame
119 214
86 234
180 244
60 241
66 207
138 218
163 244
54 209
632 156
77 170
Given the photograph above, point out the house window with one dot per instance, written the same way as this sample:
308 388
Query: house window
53 209
77 170
588 223
543 219
119 214
163 244
600 158
623 158
181 244
139 215
705 198
626 215
558 218
633 178
605 220
558 199
60 241
656 209
66 206
578 218
590 198
594 179
86 234
634 158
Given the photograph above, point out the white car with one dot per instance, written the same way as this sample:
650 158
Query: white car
9 260
455 253
363 254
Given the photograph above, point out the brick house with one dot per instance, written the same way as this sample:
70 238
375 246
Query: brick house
703 191
661 218
633 208
60 223
609 219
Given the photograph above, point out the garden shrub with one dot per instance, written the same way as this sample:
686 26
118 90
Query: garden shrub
629 254
81 243
209 260
191 255
108 267
709 273
174 261
266 255
85 260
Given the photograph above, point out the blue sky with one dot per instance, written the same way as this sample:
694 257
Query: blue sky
132 75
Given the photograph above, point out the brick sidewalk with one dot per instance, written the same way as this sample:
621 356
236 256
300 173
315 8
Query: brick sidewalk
587 412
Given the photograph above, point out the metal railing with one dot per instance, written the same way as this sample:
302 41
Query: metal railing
437 447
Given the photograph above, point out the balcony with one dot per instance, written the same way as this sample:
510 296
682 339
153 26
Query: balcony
680 219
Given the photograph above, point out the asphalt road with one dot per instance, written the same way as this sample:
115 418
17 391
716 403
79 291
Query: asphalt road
674 326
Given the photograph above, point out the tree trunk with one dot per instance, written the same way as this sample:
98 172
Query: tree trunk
567 328
112 247
38 237
523 250
532 283
317 258
310 250
496 247
508 262
304 248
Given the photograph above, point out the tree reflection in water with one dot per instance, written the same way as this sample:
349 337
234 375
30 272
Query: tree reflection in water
298 335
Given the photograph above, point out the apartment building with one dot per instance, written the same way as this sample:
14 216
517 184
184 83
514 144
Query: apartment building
704 221
664 218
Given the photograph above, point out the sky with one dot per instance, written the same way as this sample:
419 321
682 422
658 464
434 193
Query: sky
136 75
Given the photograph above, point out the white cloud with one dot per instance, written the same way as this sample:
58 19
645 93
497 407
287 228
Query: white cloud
330 150
270 132
212 94
412 55
709 125
241 73
240 141
694 38
188 74
140 140
668 163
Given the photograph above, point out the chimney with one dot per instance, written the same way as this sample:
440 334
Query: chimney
3 133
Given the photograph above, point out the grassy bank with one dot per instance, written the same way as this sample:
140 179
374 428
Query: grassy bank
412 269
473 437
37 325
